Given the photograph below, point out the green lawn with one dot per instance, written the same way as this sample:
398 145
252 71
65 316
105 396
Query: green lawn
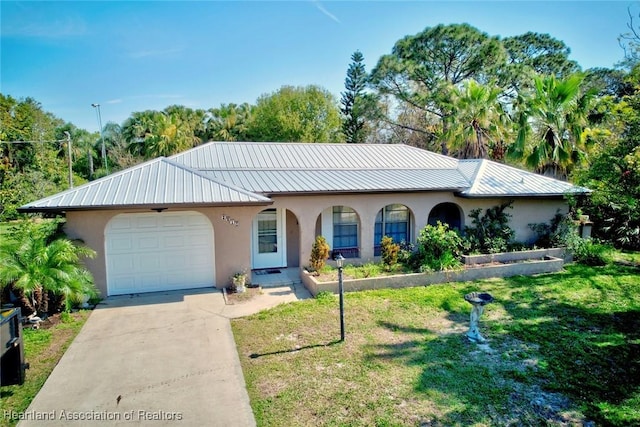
563 349
43 348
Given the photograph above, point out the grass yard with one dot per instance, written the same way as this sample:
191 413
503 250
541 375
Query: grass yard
43 349
563 349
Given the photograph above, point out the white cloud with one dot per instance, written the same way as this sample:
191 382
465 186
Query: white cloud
322 9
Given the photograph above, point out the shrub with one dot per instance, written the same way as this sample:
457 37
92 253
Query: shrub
389 252
439 247
588 252
408 255
43 272
319 253
555 233
490 232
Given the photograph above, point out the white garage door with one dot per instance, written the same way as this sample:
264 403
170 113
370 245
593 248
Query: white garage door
149 252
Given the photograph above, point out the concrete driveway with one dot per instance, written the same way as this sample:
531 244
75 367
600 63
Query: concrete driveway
165 358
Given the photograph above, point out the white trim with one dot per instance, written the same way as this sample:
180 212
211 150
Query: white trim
279 259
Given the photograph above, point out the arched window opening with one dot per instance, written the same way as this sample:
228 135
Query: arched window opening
446 213
392 221
345 231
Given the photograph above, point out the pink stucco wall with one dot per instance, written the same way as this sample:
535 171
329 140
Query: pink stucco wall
232 243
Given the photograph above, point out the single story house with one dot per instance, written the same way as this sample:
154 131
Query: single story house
194 219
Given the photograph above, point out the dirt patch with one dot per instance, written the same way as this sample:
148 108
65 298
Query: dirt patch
231 297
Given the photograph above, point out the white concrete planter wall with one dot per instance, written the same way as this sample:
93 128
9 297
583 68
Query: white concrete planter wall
536 262
535 254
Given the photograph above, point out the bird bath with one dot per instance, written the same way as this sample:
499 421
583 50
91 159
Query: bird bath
478 300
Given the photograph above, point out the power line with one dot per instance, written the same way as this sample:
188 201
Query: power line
33 142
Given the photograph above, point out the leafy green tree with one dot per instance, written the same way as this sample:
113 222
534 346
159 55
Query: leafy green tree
120 157
25 120
541 53
296 114
192 121
34 263
533 54
352 101
551 122
614 176
423 69
229 122
158 133
479 121
33 159
607 82
409 126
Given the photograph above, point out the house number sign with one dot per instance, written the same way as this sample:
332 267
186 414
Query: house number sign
230 220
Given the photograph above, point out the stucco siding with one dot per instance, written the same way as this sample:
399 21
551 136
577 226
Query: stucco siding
233 228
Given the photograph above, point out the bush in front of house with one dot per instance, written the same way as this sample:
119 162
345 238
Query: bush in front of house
319 253
439 248
389 252
490 232
554 233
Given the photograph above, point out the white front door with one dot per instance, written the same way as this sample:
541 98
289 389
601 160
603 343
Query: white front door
269 245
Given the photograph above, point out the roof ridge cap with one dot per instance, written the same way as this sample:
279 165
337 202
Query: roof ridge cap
202 175
475 179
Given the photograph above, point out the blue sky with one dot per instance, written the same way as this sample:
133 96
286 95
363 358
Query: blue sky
133 56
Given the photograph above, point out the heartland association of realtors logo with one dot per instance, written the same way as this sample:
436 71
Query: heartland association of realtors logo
62 415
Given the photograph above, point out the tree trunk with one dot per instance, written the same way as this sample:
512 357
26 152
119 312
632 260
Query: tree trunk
27 309
44 305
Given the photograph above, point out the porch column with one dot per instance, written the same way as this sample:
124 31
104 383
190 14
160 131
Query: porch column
367 233
307 238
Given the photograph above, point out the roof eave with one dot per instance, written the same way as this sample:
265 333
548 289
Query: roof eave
522 195
155 206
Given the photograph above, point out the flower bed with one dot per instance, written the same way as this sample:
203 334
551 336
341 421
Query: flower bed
506 264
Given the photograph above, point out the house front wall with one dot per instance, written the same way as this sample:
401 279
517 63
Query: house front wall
309 211
232 231
233 226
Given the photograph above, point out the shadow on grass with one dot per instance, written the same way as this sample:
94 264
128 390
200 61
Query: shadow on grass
554 343
455 375
592 357
294 350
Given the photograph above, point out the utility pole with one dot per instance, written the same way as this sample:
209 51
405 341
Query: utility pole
103 149
70 161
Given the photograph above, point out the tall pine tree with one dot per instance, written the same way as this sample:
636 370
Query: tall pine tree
353 124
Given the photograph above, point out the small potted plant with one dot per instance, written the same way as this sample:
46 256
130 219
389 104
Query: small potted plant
239 280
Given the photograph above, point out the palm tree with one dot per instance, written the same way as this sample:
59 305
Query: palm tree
478 121
155 133
32 266
229 122
552 121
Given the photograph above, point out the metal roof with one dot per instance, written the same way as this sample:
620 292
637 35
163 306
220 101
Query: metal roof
230 173
157 183
271 182
492 179
308 156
